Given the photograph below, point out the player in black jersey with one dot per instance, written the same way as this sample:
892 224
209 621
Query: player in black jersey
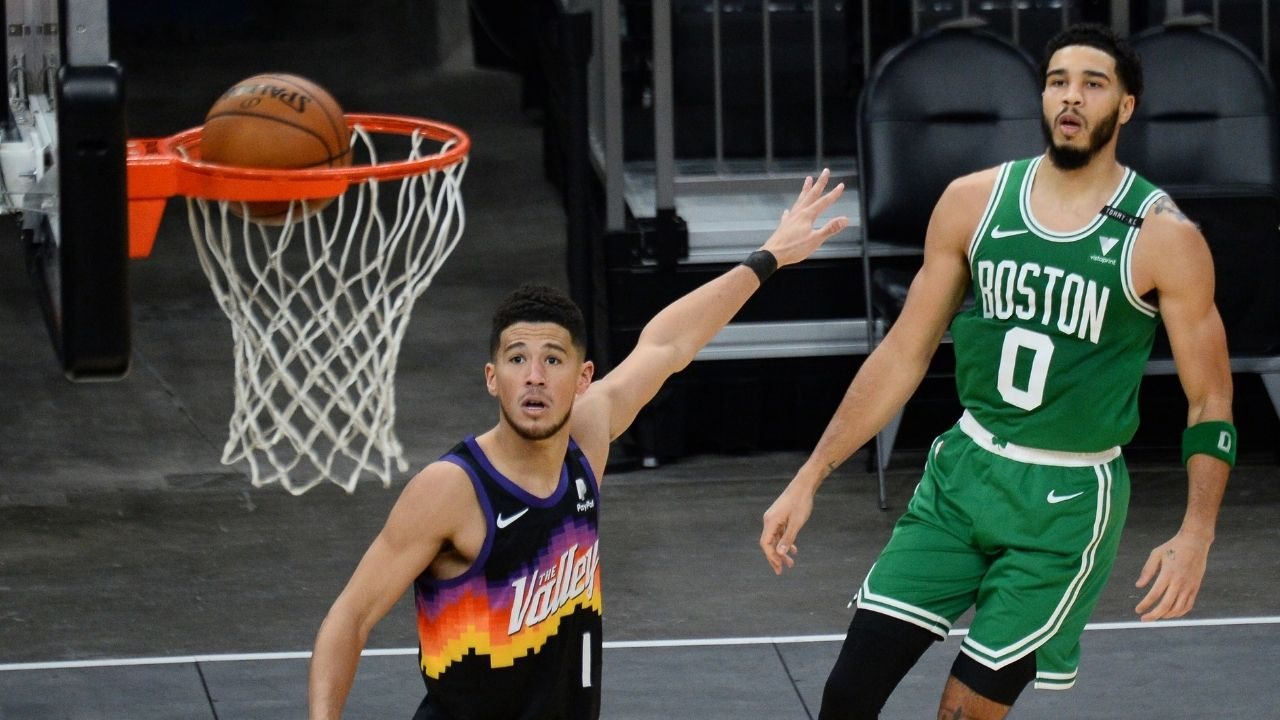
498 537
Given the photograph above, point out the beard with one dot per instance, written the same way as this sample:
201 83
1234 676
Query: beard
1070 158
534 435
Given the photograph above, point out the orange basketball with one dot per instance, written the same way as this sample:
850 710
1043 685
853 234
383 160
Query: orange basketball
281 121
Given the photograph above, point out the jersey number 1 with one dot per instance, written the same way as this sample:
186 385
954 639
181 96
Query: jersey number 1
1041 347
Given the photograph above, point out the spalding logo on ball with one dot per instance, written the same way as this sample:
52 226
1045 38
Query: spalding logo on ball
277 121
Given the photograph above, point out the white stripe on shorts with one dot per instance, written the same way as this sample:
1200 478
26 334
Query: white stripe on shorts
1035 456
998 658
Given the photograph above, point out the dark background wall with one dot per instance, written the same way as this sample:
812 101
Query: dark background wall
358 50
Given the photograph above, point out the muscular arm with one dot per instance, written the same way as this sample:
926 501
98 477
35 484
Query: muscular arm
1173 258
892 372
419 525
674 336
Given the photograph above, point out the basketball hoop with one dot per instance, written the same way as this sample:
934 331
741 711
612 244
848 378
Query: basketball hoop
318 306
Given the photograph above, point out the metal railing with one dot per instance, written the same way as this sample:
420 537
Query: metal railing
717 173
607 111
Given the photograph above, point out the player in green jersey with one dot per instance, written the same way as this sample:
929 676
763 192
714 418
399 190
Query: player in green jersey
1072 260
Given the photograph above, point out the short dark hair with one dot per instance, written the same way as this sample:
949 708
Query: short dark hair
1128 65
535 304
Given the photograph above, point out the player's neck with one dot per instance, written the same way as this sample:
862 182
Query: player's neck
1101 173
532 464
1064 199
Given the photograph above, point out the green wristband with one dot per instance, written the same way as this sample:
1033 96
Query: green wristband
1215 438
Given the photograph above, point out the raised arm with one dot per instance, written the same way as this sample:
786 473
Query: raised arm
675 335
428 512
892 372
1174 258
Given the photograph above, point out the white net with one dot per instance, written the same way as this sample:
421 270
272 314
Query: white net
318 309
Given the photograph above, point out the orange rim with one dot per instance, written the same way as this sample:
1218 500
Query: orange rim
158 171
193 177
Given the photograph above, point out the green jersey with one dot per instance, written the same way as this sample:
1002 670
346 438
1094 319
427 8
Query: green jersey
1052 353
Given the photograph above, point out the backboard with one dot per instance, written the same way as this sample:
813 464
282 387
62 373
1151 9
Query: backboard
62 170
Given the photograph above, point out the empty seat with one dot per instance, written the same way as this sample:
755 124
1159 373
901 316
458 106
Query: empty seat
1207 132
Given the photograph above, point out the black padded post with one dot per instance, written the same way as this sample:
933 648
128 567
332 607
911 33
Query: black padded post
91 330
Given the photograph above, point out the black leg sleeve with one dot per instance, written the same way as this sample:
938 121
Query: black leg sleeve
1003 685
877 653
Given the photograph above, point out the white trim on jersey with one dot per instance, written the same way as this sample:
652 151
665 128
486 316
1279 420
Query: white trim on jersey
1126 259
1002 178
1024 206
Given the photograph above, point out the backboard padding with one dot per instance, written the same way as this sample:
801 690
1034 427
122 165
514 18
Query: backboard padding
94 253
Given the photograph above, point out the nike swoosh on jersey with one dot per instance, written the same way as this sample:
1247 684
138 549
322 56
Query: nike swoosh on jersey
1054 498
997 233
505 521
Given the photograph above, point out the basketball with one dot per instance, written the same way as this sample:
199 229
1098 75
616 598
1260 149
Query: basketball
278 121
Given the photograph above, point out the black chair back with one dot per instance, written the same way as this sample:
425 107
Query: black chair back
1206 131
941 105
1207 116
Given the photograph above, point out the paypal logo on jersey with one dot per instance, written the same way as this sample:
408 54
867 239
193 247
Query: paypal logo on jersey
584 503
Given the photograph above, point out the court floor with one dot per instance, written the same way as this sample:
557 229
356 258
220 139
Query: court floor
140 578
201 602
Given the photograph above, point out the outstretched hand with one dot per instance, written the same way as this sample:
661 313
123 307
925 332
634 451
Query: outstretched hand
1178 568
796 237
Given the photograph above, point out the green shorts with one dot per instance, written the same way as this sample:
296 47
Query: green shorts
1025 536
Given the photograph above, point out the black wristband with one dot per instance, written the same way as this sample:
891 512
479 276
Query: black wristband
762 263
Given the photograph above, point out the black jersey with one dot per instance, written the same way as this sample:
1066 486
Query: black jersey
518 635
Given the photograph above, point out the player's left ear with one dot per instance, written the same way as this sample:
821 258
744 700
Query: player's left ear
584 376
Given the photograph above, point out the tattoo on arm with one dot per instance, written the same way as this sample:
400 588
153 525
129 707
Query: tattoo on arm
1165 205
